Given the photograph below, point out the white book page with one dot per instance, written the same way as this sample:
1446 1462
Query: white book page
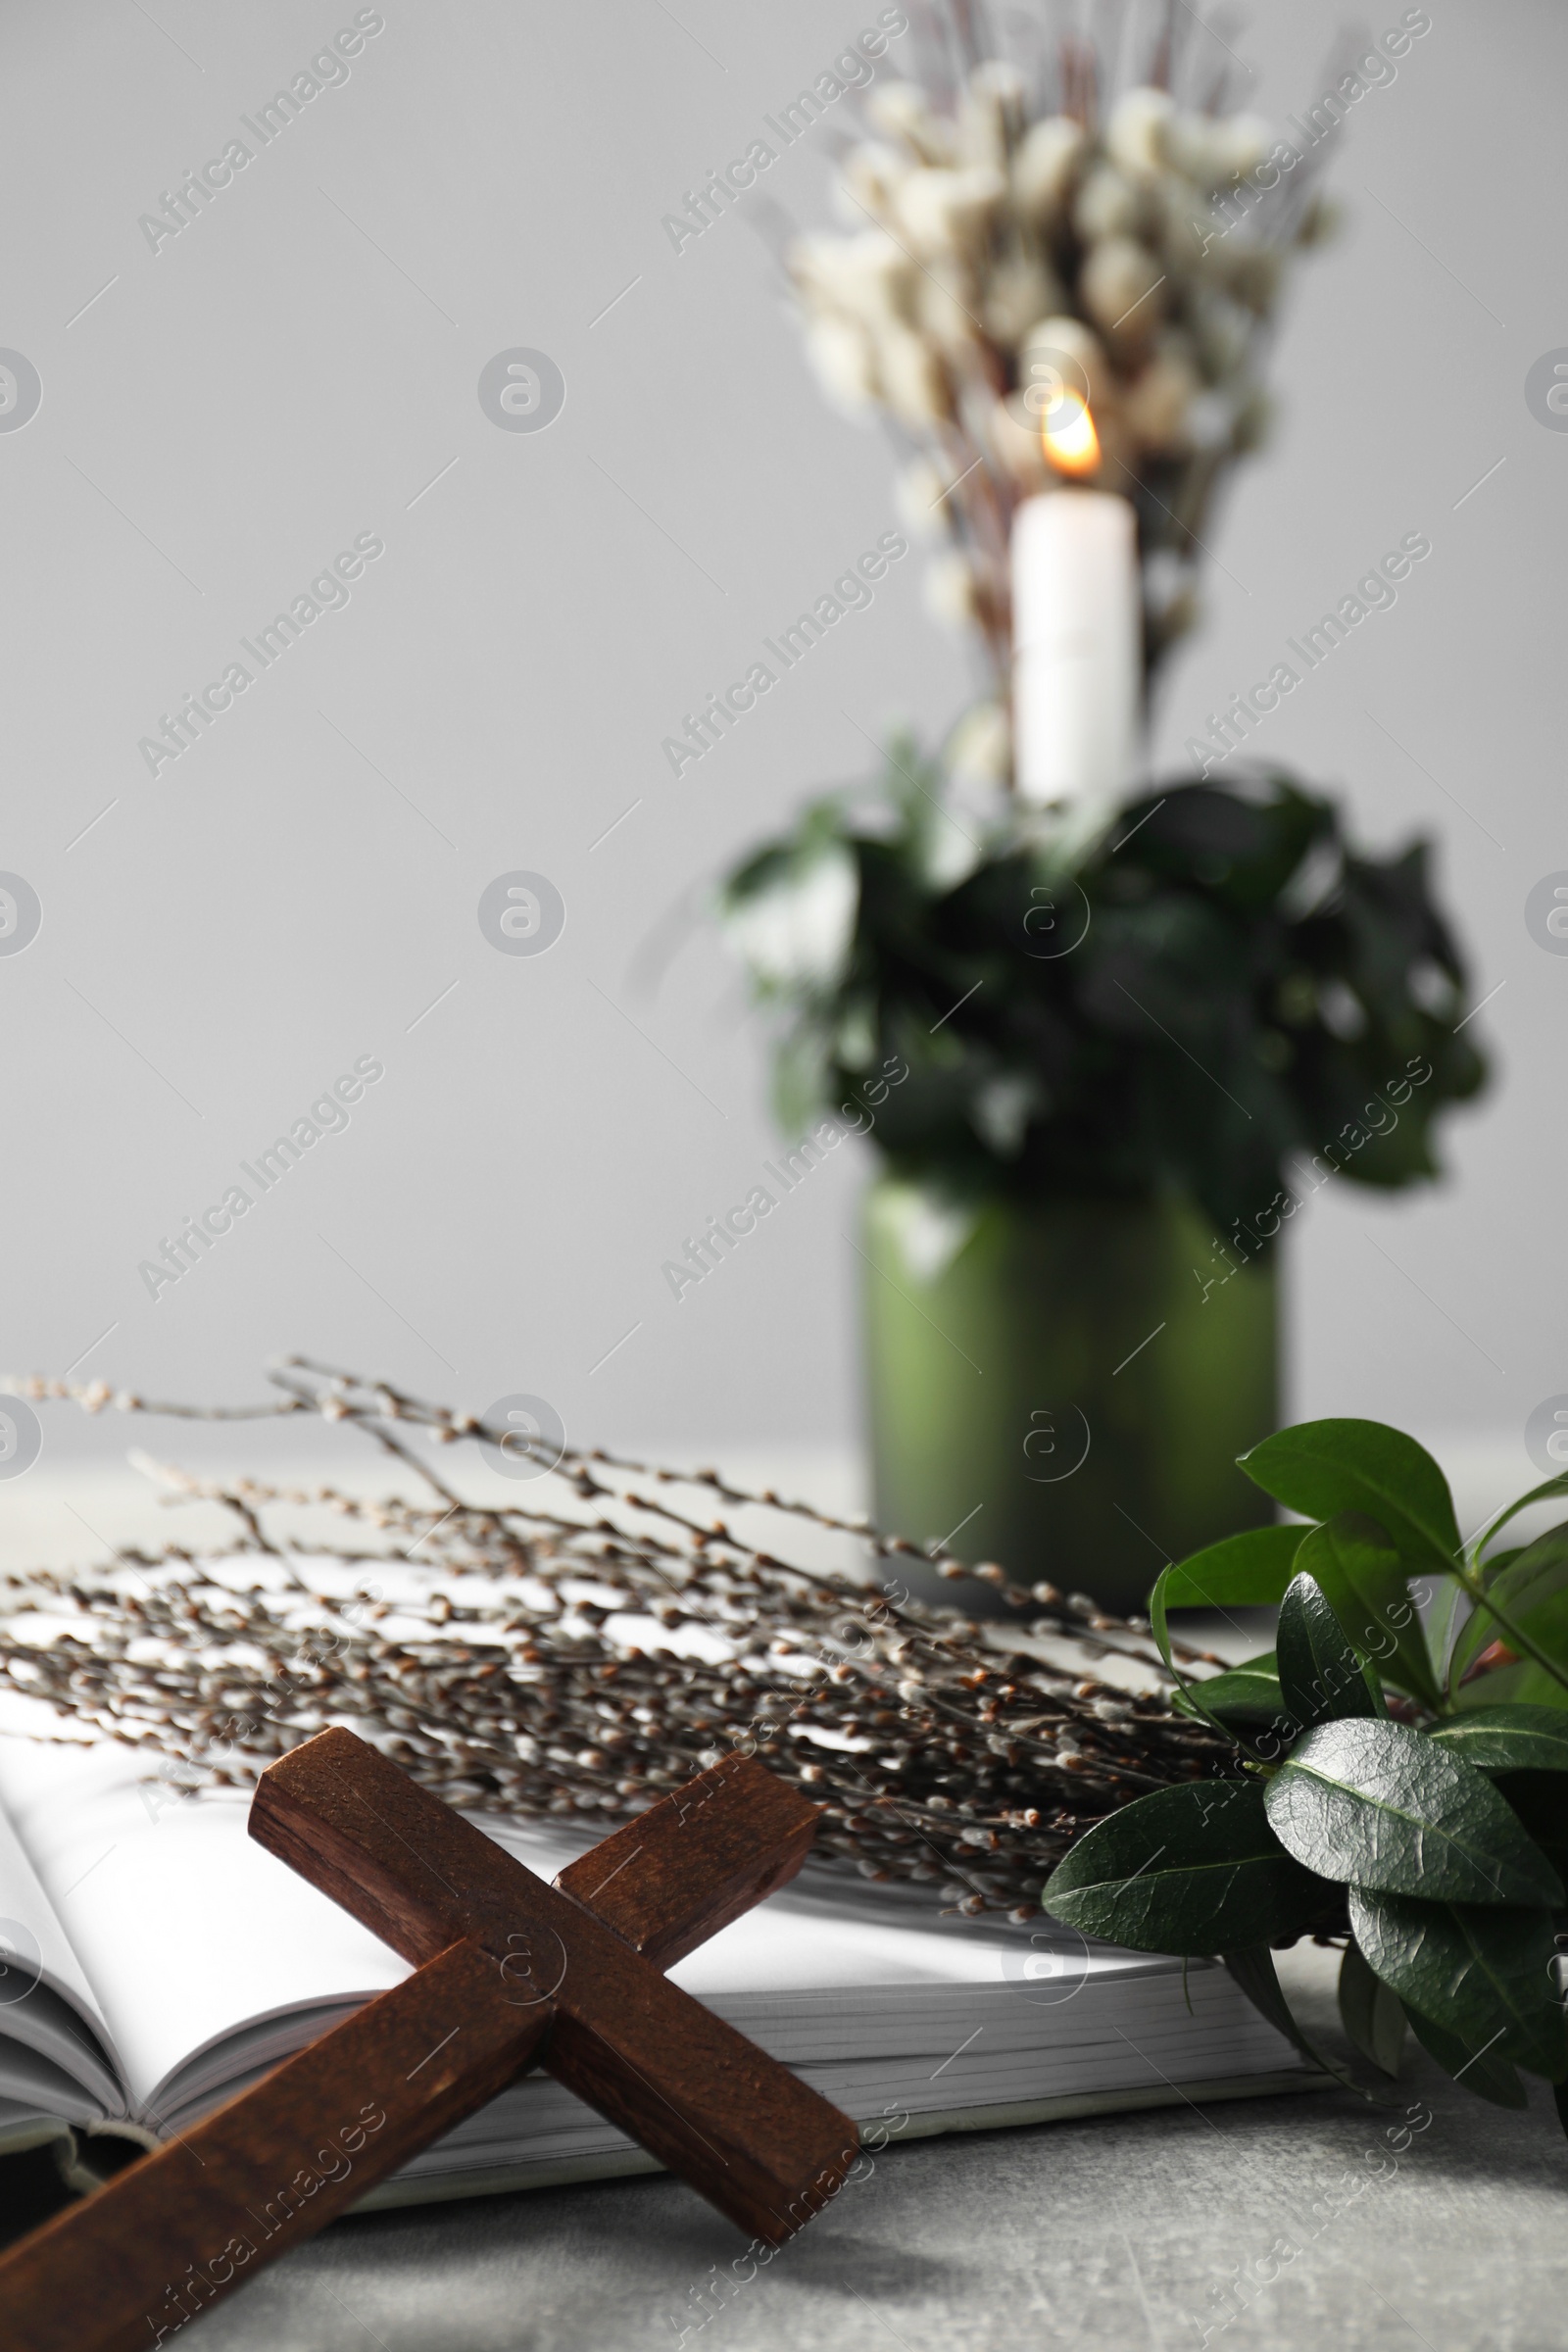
46 2003
32 1942
788 1948
181 1926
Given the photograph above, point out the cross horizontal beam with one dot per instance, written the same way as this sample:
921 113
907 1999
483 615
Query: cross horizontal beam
181 2228
744 2130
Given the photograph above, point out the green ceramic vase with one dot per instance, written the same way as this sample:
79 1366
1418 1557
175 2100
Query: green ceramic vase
1054 1389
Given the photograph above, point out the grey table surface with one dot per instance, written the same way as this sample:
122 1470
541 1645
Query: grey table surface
1308 2221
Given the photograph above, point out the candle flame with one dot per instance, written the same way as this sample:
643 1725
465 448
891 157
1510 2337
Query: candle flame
1067 431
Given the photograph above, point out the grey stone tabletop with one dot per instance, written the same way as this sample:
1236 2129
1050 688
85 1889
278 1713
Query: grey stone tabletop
1282 2223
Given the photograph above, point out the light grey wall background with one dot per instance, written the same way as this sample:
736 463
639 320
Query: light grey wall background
299 889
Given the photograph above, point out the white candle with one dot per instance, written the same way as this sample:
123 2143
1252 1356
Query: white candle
1077 645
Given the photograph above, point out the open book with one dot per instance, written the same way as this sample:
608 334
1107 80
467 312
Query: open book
154 1961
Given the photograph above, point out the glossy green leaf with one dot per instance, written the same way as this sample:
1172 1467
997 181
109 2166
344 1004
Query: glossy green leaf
1481 1974
1320 1674
1254 1972
1246 1571
1488 2073
1377 1805
1540 1800
1253 1969
1532 1589
1541 1493
1249 1570
1245 1696
1194 1869
1370 2014
1324 1467
1447 1605
1508 1739
1367 1586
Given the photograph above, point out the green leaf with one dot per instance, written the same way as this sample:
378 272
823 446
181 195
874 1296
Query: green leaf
1541 1493
1484 1975
1320 1674
1537 1798
1525 1685
1487 2073
1437 1628
791 911
1253 1969
1367 1586
1377 1804
1247 1569
1370 2014
1507 1738
1254 1972
1250 1570
1194 1869
1533 1590
1323 1467
1244 1694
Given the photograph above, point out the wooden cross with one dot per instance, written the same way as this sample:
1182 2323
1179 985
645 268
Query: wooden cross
509 1973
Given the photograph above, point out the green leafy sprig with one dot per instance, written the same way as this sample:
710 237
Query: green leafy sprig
1400 1775
1213 986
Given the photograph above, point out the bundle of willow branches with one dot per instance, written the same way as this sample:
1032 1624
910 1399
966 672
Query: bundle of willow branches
603 1639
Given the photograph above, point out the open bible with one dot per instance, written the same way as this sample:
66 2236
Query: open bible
154 1961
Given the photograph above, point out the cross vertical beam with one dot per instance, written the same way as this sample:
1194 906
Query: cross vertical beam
181 2228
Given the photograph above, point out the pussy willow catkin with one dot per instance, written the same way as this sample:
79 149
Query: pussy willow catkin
598 1643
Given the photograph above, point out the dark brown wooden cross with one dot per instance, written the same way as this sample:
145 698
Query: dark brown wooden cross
509 1972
